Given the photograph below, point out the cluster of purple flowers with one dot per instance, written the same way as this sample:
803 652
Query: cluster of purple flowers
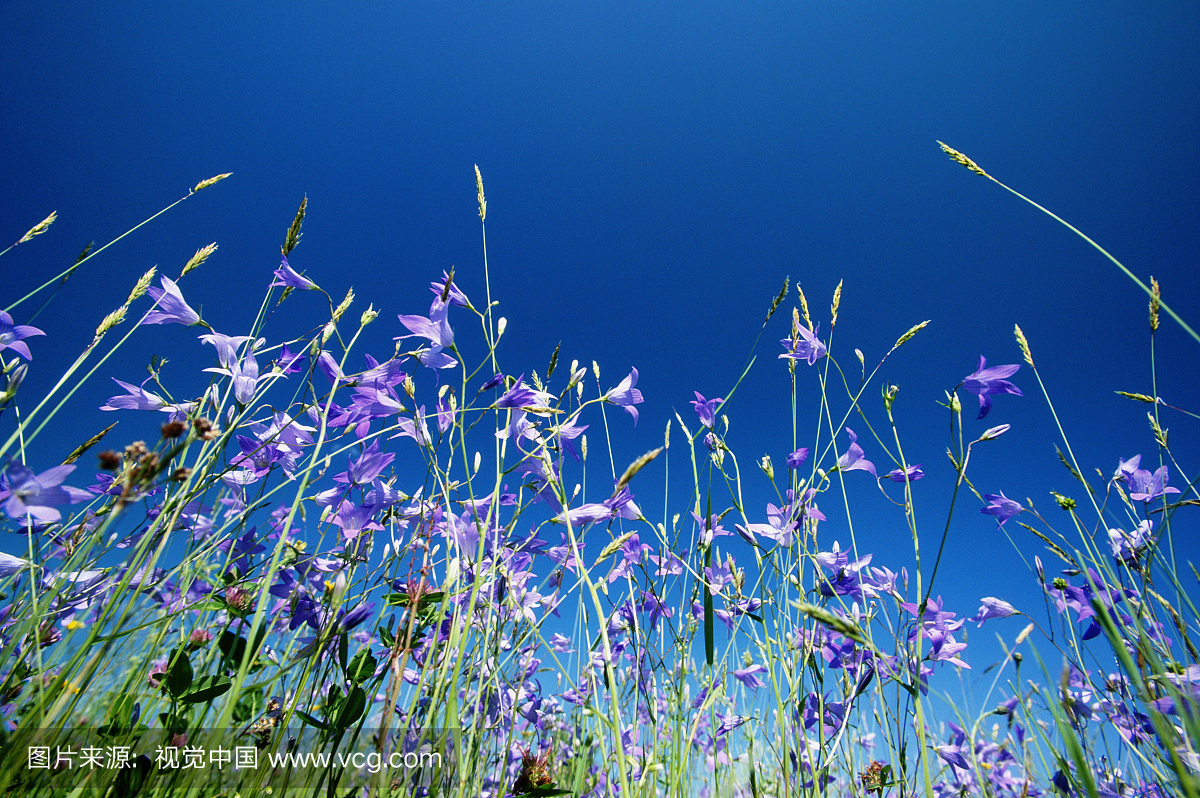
403 589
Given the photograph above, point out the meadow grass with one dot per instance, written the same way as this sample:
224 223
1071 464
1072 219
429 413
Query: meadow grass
374 583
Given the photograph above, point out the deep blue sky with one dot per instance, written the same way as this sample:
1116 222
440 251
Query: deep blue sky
653 171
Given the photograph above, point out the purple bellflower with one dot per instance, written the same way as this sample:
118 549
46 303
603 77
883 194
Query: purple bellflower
435 328
169 306
1144 486
11 335
287 277
987 381
853 459
806 347
1128 547
1000 506
34 496
902 475
748 675
226 345
993 608
626 396
706 409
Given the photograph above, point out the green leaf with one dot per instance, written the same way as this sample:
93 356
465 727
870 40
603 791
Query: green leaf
179 673
249 705
207 688
234 648
362 666
311 721
351 709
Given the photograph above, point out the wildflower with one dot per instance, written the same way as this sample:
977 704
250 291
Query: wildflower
169 306
355 519
797 458
748 677
1000 506
952 755
711 528
289 362
717 577
444 412
435 328
806 346
290 278
619 505
415 428
987 381
626 396
846 580
366 467
1144 486
11 335
1128 547
138 399
455 295
853 459
244 375
706 408
199 638
31 496
779 527
909 474
993 608
10 565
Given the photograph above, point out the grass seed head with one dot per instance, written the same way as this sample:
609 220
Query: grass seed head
479 193
210 181
200 256
110 321
1156 294
1024 344
293 234
340 309
916 328
40 227
778 300
139 288
804 307
837 300
959 158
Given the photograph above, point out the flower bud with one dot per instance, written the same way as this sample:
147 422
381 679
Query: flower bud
995 432
766 465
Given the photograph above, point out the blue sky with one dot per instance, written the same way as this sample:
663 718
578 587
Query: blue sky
653 171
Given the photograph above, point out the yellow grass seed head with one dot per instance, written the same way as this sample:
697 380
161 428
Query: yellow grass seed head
340 309
916 328
40 227
837 300
111 320
140 286
959 158
293 234
200 256
479 192
1024 344
778 300
210 181
804 307
1156 295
